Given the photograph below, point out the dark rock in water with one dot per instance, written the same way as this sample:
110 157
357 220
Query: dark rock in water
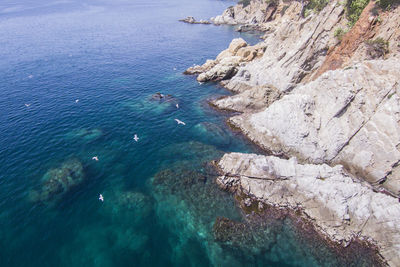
157 96
226 230
57 182
164 98
192 20
195 188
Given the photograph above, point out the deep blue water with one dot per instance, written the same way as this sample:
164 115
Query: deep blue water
158 210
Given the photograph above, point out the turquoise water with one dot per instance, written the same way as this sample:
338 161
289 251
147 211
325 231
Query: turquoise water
160 201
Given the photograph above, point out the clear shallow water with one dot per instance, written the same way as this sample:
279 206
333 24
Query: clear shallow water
160 203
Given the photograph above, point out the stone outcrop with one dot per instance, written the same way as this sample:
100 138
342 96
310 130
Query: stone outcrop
192 20
227 62
347 116
322 102
255 98
251 16
340 207
295 48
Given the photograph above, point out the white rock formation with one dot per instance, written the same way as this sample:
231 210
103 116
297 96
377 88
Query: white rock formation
349 116
227 62
339 206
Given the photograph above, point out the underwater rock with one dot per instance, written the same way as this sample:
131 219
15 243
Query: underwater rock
86 134
130 208
57 182
164 98
136 201
193 151
212 133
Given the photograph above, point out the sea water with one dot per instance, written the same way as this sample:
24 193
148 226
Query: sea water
76 82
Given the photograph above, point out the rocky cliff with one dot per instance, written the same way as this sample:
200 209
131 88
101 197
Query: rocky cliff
326 96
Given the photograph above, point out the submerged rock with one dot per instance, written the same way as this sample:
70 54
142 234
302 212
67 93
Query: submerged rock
212 133
86 134
57 182
137 202
130 208
192 151
164 99
157 103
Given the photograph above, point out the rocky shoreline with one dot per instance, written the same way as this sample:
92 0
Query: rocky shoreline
327 111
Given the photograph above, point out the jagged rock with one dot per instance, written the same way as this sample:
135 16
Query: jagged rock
339 206
348 116
227 62
257 12
294 48
225 69
352 121
192 20
255 98
57 182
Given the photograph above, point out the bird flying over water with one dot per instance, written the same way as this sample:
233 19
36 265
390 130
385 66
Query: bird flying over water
180 122
136 138
95 158
27 105
76 101
101 198
177 105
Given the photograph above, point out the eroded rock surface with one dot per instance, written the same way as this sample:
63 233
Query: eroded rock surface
227 62
342 208
348 116
310 95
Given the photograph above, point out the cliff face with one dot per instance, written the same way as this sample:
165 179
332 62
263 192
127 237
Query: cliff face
302 93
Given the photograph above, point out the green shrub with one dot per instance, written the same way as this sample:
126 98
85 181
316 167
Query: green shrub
314 5
339 32
244 2
377 48
387 4
354 9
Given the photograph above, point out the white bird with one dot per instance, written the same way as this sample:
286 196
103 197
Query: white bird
180 122
136 138
95 158
174 68
177 105
27 105
76 101
30 76
101 198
